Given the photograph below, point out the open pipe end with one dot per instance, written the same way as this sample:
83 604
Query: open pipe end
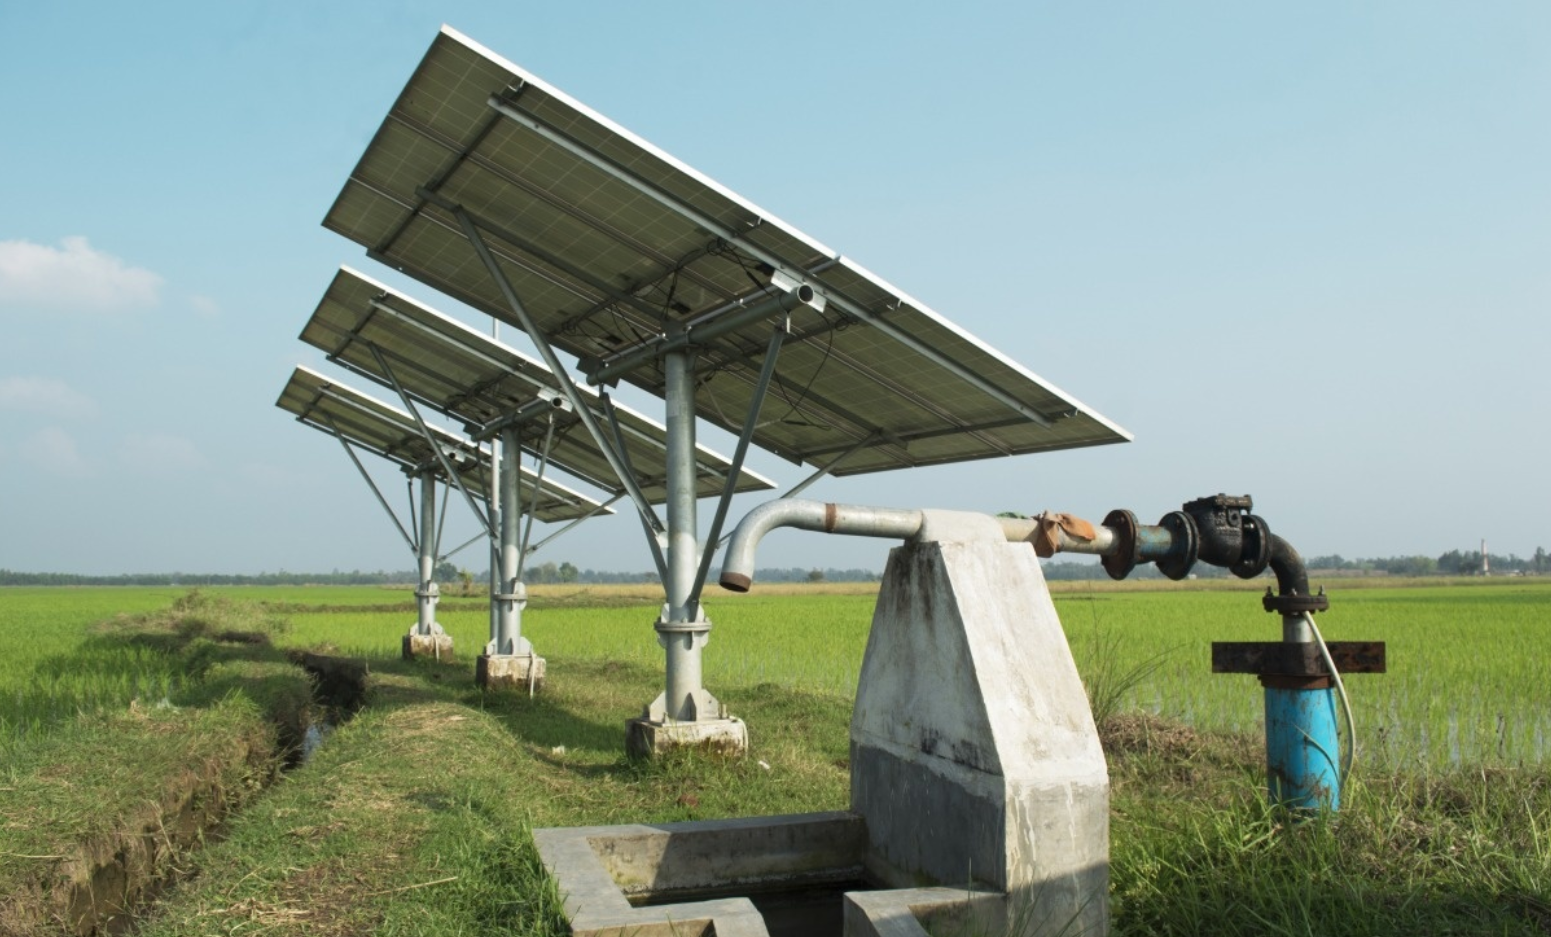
736 582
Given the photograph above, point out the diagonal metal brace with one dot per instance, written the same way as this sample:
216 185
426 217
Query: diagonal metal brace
436 449
761 387
567 386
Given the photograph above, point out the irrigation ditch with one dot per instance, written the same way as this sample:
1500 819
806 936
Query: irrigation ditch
98 883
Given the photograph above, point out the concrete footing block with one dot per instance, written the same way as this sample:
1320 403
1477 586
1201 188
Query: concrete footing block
725 737
436 646
522 672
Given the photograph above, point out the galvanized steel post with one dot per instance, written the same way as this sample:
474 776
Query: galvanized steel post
509 600
681 630
426 592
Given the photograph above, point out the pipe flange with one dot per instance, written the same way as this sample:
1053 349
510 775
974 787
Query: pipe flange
1187 544
1294 604
1255 554
1120 563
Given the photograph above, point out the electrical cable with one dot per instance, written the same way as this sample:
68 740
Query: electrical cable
1346 704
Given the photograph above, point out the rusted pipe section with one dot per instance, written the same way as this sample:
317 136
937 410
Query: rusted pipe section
855 520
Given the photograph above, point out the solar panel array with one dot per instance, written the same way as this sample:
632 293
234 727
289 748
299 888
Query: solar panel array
393 434
479 381
611 243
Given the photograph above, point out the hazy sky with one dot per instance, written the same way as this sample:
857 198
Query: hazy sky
1300 250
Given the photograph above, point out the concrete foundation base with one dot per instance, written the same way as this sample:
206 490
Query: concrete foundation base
711 877
647 739
522 672
438 646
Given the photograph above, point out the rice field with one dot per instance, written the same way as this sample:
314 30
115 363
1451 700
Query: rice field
1469 680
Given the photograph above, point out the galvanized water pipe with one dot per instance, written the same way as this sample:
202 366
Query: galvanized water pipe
855 520
1302 747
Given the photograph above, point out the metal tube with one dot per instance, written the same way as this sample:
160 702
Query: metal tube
696 332
653 528
738 561
683 650
567 386
538 489
508 614
430 440
426 595
588 516
350 451
760 387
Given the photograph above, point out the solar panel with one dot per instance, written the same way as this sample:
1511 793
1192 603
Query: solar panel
611 244
478 380
389 432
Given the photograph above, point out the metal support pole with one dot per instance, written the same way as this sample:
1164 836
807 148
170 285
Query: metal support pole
766 371
507 638
350 451
567 386
430 440
682 630
426 594
656 534
585 517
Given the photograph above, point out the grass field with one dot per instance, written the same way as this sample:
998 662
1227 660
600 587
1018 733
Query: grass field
1469 680
427 791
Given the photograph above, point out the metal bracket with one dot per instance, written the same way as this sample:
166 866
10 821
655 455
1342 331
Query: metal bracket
1281 658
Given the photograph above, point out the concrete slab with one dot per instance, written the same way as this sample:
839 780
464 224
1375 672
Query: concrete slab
518 672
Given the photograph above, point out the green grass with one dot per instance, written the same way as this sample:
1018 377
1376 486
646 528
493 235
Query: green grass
414 817
1469 680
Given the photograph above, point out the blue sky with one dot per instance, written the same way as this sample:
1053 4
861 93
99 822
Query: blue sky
1300 251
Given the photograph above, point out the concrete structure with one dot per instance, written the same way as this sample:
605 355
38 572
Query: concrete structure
437 645
979 792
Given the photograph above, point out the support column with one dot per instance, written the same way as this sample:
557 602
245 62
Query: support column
685 714
509 661
426 638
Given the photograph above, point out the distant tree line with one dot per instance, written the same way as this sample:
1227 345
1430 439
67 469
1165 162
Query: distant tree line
1452 563
281 578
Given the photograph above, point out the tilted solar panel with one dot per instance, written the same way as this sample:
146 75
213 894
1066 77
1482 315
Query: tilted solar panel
478 380
331 407
611 244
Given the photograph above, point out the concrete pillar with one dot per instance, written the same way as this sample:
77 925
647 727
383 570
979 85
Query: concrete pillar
974 755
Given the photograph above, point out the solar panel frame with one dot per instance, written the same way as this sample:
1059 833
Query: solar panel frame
572 237
478 380
325 404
